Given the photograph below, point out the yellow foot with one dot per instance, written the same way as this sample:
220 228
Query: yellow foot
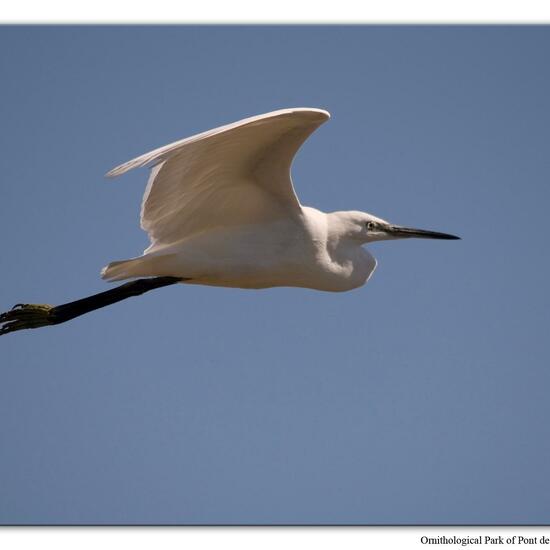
23 316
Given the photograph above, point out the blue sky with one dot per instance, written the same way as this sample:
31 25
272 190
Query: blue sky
419 398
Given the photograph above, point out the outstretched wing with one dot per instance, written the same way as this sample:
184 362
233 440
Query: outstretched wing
232 175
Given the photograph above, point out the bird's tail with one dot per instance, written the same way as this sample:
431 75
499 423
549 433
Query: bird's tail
143 266
117 271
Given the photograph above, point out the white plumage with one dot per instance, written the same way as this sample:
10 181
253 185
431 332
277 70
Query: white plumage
220 209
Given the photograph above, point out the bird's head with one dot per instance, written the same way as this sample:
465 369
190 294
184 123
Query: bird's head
366 228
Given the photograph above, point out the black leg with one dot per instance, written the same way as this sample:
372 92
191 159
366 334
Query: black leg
24 316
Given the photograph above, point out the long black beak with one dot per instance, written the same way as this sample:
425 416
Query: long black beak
408 232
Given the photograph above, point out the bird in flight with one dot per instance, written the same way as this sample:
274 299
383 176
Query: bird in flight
220 209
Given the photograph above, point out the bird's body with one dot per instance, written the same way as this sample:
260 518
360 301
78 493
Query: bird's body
220 209
303 250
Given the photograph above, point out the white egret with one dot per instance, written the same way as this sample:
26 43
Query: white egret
220 209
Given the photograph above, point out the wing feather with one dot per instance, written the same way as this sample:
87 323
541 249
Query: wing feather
232 175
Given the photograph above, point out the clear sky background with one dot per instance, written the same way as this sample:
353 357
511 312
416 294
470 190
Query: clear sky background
419 398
